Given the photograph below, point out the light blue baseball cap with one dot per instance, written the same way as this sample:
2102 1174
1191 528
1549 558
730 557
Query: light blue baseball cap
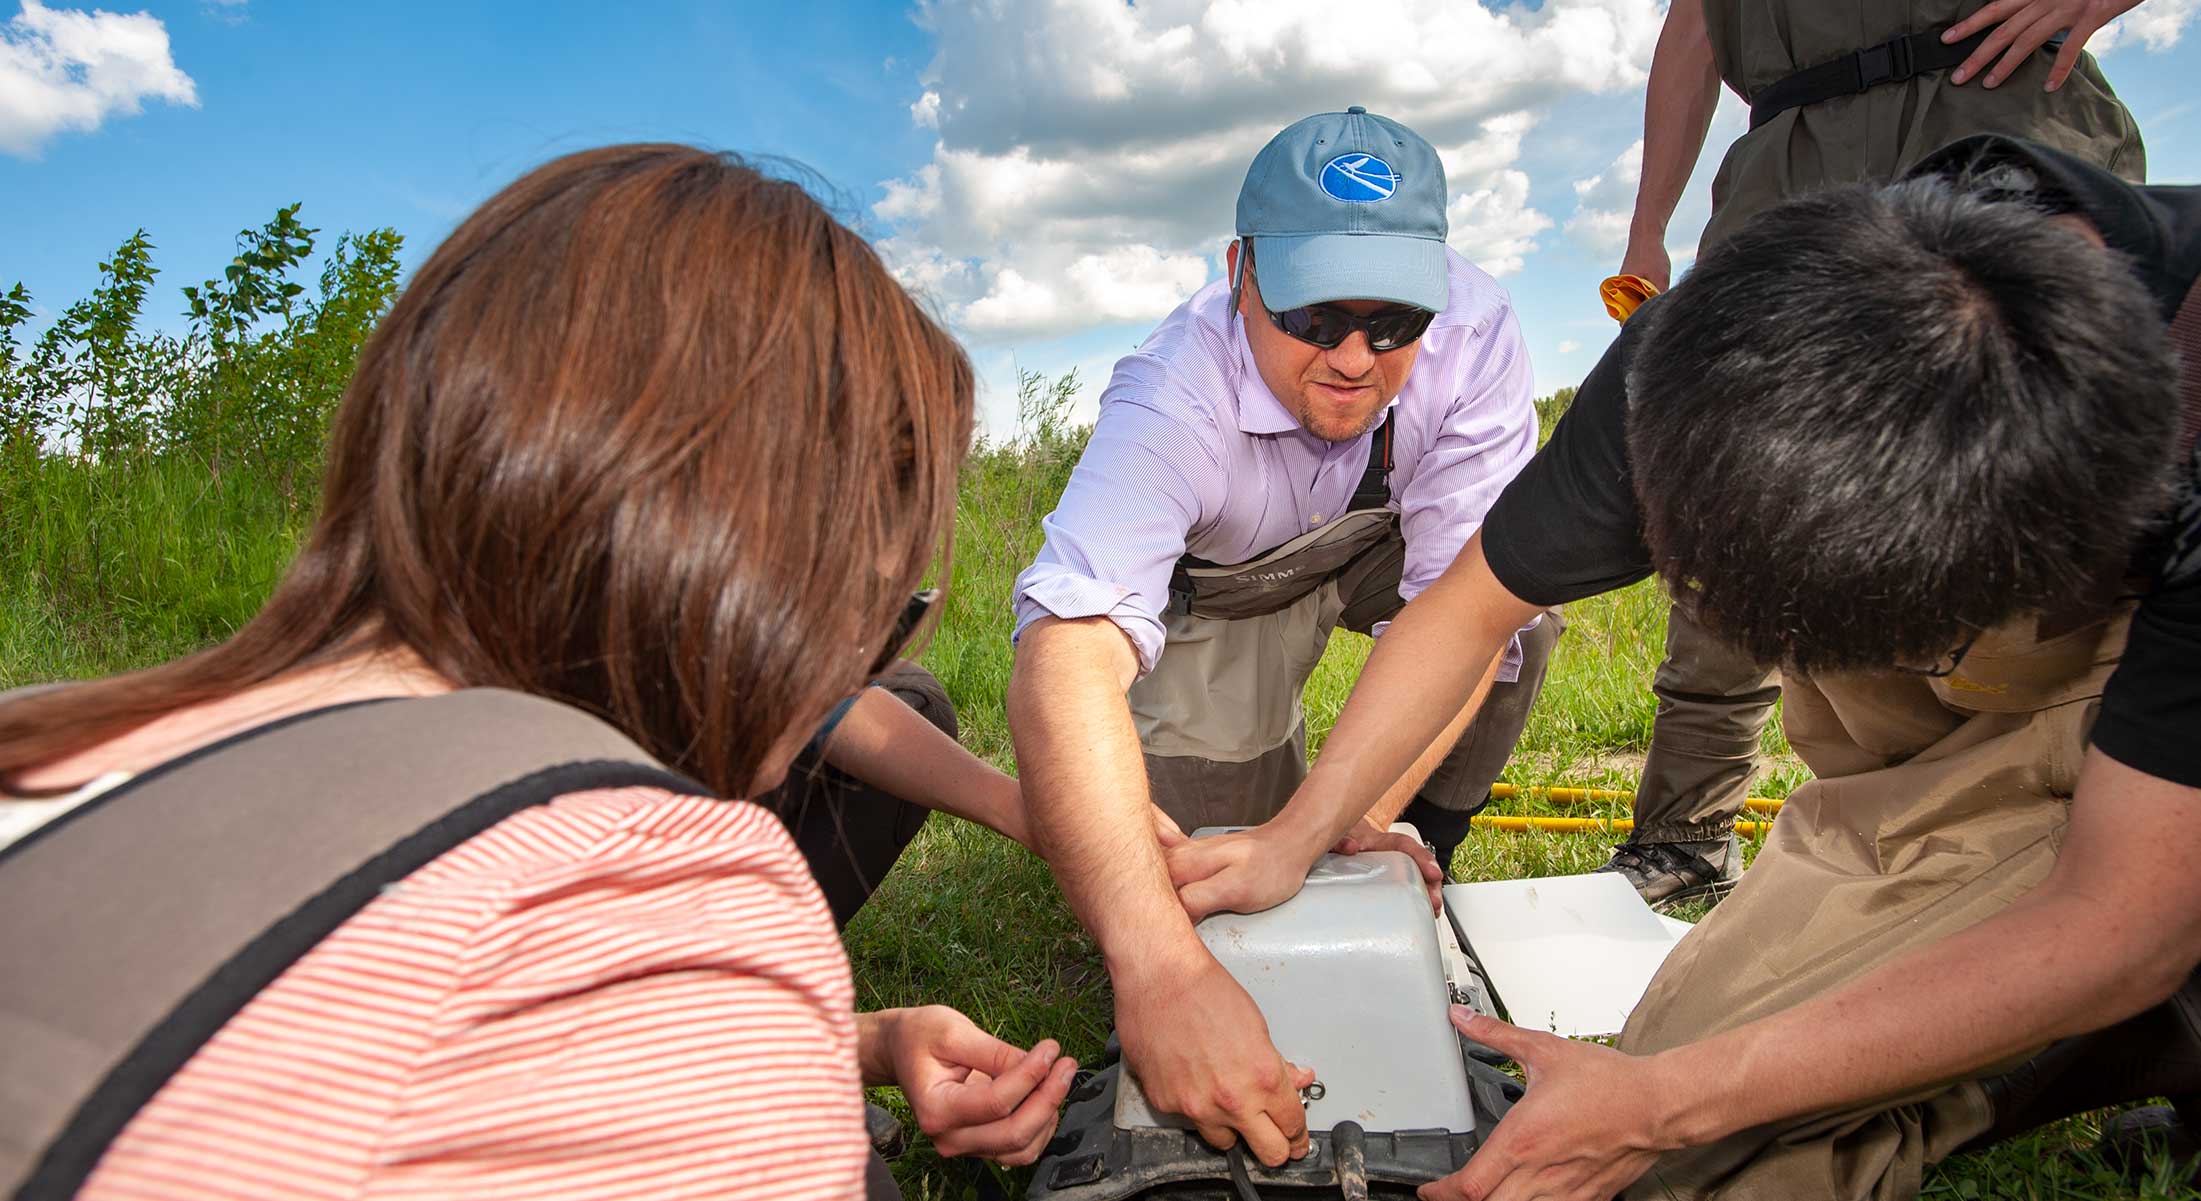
1346 206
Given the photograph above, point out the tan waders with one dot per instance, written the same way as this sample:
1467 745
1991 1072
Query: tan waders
1938 802
1219 717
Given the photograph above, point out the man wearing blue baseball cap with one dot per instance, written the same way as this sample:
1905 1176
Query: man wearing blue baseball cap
1303 445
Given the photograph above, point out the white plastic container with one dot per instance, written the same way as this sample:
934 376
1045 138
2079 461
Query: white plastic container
1351 975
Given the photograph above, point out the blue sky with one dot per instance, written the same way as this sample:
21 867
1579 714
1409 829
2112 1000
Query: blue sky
1052 174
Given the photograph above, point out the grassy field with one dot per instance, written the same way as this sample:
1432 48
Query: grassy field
103 570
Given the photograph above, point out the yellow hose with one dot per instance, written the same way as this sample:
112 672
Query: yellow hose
1584 796
1592 825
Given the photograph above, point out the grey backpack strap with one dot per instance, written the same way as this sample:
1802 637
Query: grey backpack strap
142 922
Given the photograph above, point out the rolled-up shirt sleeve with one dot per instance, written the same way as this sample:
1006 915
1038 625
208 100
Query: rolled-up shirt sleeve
1146 480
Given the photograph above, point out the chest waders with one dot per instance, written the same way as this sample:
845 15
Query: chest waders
1279 578
1219 717
163 906
1937 802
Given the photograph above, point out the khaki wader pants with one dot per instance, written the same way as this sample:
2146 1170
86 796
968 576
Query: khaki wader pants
1220 720
1713 701
1939 802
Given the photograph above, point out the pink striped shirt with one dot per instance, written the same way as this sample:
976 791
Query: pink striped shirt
621 993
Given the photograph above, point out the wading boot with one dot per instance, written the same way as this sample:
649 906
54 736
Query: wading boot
2132 1137
2155 1053
1667 873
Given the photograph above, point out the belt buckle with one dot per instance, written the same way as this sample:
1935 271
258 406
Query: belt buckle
1886 63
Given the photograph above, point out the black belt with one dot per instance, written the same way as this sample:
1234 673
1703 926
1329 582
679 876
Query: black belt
1862 70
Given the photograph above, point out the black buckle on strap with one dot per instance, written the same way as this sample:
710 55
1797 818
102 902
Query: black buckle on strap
1889 62
1860 71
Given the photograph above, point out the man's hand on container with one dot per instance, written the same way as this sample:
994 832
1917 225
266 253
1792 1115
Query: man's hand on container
1199 1047
1243 872
1261 868
1364 836
1585 1130
2023 26
973 1094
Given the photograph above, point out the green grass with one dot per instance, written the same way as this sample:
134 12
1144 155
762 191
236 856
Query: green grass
106 569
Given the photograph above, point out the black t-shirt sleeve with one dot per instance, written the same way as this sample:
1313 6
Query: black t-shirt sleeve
1567 527
2151 711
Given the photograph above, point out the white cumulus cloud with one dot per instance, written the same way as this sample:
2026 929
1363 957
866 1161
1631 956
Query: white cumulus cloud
66 69
1604 203
2156 25
1088 153
1493 225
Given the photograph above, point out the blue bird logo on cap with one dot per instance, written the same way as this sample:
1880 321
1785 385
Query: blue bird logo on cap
1358 179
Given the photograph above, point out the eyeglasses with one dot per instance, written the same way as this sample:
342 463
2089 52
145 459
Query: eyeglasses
913 615
1327 325
1946 665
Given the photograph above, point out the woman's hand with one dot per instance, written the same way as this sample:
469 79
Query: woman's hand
1588 1126
973 1094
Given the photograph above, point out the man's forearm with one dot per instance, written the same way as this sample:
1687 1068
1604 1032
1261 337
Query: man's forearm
1085 792
1394 802
1939 1013
1426 672
2082 951
1677 112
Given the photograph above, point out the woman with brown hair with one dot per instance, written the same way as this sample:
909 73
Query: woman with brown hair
627 494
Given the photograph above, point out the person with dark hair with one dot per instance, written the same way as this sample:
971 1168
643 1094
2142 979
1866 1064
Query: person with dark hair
423 883
1928 447
1839 93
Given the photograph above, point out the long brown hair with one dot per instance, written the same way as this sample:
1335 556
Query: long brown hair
650 433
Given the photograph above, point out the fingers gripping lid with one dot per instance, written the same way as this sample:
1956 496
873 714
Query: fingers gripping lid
1346 206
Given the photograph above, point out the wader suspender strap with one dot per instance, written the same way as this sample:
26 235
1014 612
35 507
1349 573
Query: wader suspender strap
1373 492
2185 338
1860 71
141 922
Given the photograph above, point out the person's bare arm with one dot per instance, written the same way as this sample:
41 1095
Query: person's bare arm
1191 1035
1430 667
2114 929
1394 802
1678 103
891 747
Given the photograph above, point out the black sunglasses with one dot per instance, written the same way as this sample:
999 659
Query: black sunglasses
1327 325
913 615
